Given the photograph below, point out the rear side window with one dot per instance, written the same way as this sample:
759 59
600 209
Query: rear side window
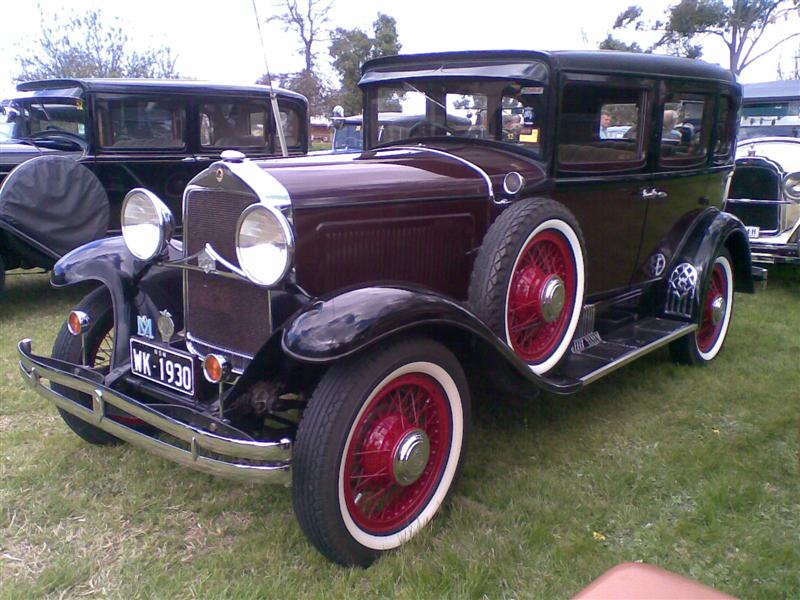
685 129
600 128
290 120
726 127
136 122
237 123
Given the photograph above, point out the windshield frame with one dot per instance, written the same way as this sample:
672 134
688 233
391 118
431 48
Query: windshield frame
448 86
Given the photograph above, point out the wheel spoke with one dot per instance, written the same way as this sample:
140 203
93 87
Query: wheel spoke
376 499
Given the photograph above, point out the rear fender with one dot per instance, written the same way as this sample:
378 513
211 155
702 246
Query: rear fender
137 288
712 231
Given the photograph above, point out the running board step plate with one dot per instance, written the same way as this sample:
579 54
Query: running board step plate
618 348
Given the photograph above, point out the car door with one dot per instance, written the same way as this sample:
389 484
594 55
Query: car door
600 177
142 141
682 177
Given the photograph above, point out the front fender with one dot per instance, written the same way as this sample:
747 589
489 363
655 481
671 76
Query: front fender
136 287
339 326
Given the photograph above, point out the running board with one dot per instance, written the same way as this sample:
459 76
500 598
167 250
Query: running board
616 350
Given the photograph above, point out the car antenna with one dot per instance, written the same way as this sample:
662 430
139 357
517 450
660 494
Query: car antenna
273 96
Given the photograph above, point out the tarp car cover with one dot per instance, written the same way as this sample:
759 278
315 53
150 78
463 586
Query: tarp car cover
56 201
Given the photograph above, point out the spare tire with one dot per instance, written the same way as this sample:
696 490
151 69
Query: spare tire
528 280
56 201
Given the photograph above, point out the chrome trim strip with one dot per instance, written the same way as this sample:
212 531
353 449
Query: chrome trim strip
464 161
625 359
269 190
220 259
192 342
277 455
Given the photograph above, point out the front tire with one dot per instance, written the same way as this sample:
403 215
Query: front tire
379 448
716 311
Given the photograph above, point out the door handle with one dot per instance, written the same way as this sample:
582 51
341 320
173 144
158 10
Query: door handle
189 159
653 194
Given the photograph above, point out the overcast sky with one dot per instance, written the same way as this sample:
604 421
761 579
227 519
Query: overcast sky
217 40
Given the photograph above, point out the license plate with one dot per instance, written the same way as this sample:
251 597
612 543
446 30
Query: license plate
753 232
172 369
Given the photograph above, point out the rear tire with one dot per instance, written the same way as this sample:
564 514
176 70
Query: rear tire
2 275
703 345
379 448
68 347
528 281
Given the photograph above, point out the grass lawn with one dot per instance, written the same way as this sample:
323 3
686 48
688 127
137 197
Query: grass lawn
695 470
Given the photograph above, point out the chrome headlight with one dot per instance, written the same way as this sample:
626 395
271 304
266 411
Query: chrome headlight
264 245
147 224
791 186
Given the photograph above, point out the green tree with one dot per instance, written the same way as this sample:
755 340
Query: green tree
350 48
89 46
306 83
612 43
739 24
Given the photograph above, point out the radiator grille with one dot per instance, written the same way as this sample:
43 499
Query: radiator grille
766 216
221 312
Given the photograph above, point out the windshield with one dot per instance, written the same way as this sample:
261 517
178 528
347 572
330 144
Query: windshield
37 117
349 137
6 131
506 111
768 119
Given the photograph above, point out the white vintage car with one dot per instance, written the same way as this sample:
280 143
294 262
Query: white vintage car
765 190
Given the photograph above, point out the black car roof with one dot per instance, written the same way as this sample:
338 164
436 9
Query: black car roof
176 86
603 61
772 90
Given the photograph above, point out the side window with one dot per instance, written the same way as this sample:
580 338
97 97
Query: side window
726 127
128 122
292 127
238 123
600 128
685 129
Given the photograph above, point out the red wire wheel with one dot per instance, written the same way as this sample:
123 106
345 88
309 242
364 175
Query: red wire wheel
541 296
397 453
714 309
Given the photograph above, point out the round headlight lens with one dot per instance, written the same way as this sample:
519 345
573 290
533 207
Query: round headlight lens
791 186
264 245
147 224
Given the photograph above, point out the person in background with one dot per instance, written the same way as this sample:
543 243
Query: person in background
669 132
605 123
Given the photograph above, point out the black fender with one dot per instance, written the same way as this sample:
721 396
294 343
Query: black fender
711 231
339 326
136 287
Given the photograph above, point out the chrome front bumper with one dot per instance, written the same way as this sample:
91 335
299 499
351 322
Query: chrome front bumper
773 254
242 460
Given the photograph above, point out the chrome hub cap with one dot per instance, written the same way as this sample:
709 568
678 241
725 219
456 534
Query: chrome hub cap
552 298
717 309
411 457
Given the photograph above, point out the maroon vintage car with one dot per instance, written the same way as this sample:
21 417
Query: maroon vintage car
314 324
